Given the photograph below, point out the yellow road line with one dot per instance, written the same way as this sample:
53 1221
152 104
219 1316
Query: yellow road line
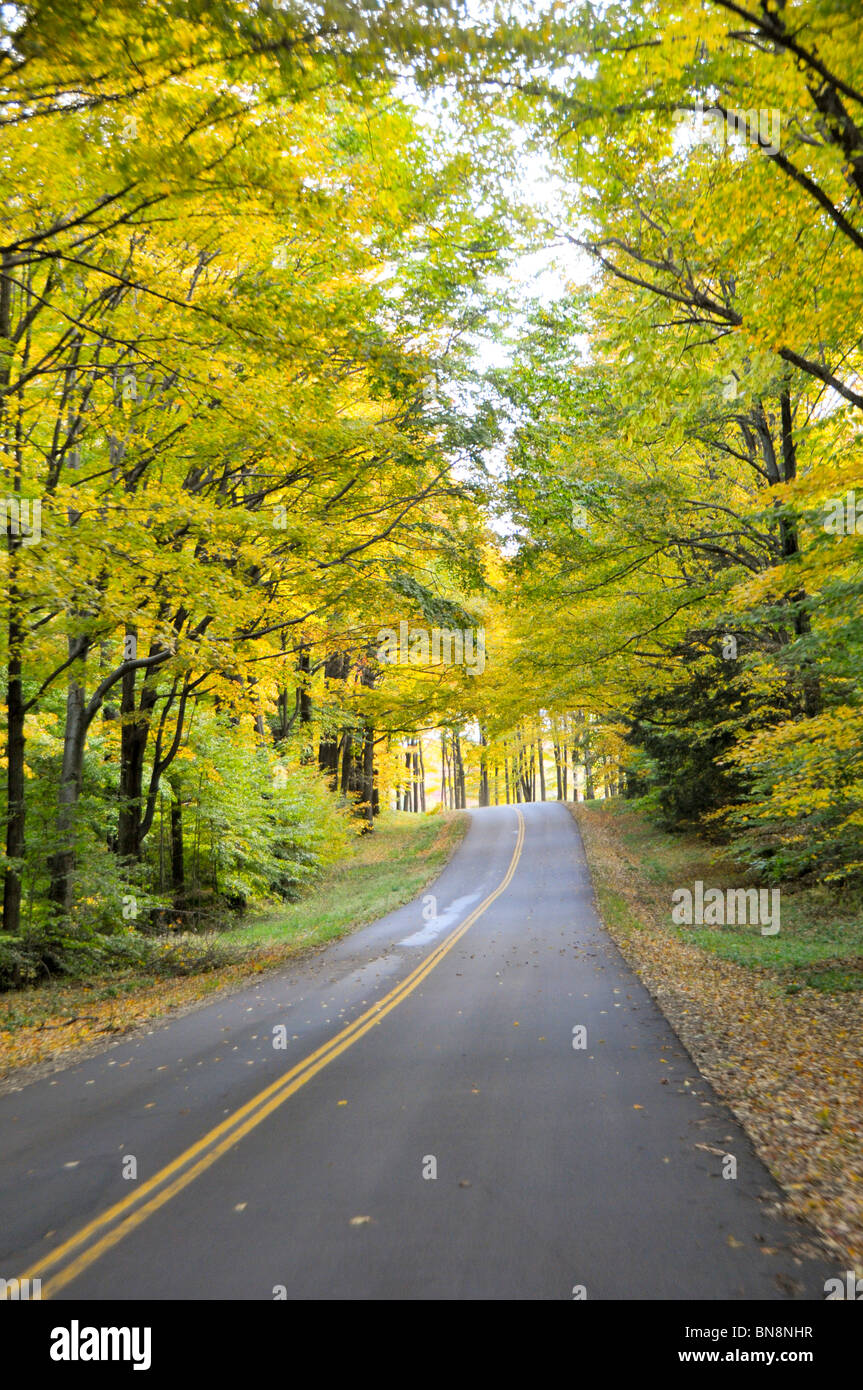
228 1132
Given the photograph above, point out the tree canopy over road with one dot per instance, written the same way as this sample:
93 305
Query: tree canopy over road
306 484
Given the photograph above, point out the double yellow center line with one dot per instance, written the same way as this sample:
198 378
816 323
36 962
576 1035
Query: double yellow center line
105 1231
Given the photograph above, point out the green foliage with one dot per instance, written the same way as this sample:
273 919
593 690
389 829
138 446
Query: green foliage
262 827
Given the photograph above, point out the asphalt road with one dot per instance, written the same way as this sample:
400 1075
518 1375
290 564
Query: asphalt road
302 1170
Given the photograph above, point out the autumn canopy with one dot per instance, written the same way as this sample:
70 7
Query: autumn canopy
280 400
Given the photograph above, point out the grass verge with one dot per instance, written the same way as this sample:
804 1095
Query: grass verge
45 1023
774 1023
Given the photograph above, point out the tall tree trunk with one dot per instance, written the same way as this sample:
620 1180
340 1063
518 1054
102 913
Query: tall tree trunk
461 798
62 861
15 740
15 746
133 746
304 694
483 769
541 763
557 771
811 684
282 724
589 788
336 667
347 781
178 868
523 771
369 789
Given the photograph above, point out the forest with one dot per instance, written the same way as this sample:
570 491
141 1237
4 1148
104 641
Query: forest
319 506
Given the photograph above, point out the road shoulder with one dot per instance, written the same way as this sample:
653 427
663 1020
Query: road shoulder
789 1065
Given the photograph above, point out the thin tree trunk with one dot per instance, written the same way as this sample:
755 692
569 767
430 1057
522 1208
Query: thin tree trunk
336 667
62 861
15 738
461 798
811 684
15 745
368 775
304 695
483 769
134 734
178 869
589 788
